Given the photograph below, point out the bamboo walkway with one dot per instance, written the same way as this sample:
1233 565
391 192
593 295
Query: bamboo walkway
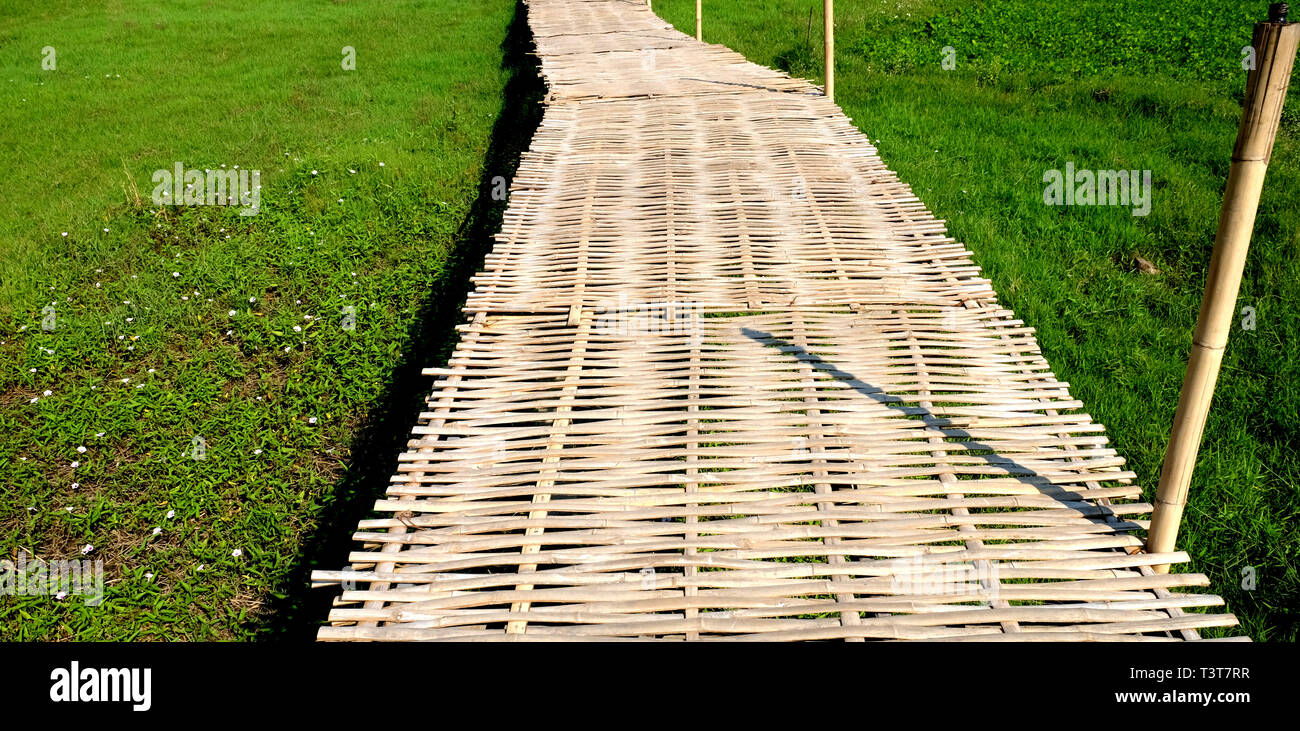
725 377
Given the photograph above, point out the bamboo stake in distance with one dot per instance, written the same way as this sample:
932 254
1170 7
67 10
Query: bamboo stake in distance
1275 44
699 20
828 12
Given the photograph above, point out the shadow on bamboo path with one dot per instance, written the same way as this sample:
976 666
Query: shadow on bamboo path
297 611
971 445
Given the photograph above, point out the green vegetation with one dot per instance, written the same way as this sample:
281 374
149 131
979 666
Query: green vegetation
1108 86
371 201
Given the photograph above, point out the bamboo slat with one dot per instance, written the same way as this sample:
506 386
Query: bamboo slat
724 377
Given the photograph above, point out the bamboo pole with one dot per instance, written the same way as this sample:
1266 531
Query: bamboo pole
699 20
1275 44
829 13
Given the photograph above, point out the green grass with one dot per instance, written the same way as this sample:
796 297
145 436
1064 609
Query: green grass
371 200
1107 85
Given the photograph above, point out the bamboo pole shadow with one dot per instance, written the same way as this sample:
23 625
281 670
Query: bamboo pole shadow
972 447
298 611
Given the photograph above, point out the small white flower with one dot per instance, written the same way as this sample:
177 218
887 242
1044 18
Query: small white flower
297 329
87 549
76 485
75 464
151 370
311 420
126 380
176 274
201 567
148 575
252 299
47 393
61 595
237 553
157 530
35 399
99 434
171 513
381 164
257 451
81 450
69 508
65 233
130 319
313 172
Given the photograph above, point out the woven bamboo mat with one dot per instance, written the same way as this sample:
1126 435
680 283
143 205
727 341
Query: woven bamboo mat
724 377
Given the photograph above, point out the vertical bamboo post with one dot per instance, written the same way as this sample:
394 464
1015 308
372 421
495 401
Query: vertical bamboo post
699 20
1275 44
828 11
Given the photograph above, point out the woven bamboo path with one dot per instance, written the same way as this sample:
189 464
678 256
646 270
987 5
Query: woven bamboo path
724 377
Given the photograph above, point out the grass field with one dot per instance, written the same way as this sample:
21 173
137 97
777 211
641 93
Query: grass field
1107 85
300 427
184 326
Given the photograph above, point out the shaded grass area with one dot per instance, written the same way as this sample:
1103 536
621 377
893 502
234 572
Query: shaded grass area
240 384
1106 86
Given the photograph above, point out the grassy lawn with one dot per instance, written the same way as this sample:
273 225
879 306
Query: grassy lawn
183 327
1107 85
